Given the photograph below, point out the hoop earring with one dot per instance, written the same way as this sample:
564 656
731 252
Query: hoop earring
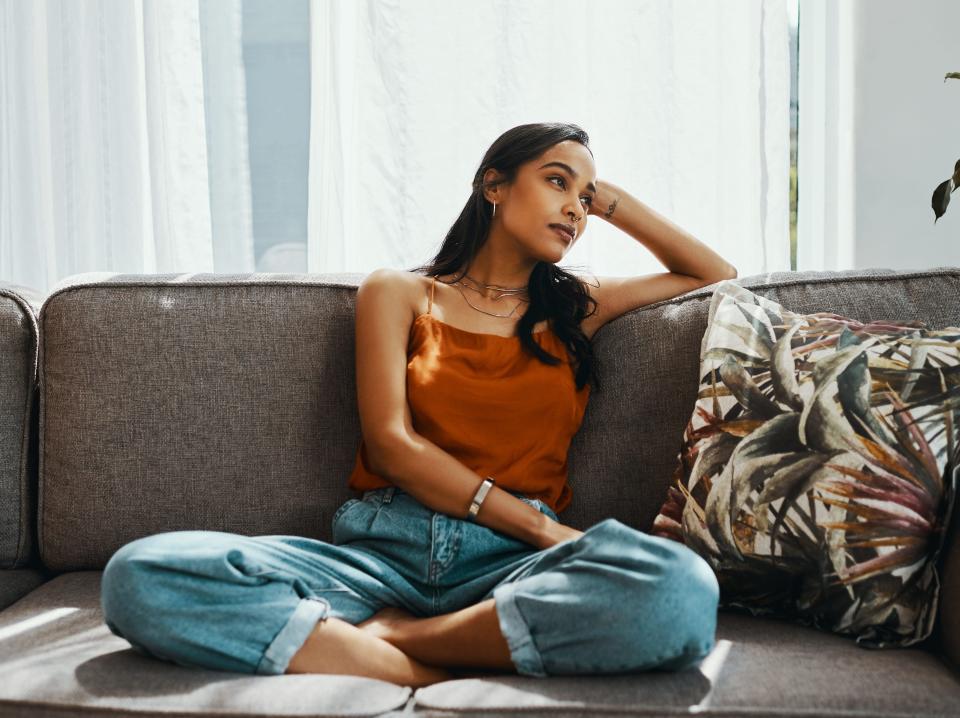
494 211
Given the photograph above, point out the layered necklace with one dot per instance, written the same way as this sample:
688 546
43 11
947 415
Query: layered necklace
500 293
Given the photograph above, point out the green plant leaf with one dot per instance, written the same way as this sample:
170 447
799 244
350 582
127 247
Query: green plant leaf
941 198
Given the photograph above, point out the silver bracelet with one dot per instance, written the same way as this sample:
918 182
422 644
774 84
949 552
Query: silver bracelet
479 497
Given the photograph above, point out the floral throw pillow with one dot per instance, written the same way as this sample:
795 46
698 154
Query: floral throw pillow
816 474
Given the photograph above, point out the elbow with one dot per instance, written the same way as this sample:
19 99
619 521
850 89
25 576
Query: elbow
384 455
378 460
729 273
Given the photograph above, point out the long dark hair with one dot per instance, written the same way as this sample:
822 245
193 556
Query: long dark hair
554 294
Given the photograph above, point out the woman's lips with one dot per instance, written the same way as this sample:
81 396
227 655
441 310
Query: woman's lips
563 234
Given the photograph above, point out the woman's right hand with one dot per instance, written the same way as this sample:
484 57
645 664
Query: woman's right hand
555 532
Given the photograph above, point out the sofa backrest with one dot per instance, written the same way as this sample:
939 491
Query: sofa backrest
205 401
228 402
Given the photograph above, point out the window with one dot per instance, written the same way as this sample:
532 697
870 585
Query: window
276 58
793 9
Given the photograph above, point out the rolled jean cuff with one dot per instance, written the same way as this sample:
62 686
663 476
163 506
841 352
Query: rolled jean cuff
523 652
293 635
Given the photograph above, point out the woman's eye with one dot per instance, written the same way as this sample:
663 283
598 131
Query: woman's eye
586 197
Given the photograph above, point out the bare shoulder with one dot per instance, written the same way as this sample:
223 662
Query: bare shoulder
384 314
400 287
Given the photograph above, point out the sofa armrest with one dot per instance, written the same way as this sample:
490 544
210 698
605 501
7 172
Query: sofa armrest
18 582
19 406
947 633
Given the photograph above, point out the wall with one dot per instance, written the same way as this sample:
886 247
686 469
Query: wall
906 132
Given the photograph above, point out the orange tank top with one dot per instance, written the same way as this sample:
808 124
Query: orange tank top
497 409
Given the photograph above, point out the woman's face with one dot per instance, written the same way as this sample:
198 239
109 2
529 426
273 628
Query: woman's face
556 188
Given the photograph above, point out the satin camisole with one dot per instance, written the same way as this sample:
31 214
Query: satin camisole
497 409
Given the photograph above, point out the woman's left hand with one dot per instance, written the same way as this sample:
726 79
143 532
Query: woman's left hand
607 195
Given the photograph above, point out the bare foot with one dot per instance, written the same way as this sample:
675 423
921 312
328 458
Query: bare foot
386 622
336 647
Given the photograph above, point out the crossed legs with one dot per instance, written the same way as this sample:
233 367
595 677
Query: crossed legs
395 646
468 638
668 593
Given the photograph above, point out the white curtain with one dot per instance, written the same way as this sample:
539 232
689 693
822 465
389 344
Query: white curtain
826 226
107 149
124 144
686 103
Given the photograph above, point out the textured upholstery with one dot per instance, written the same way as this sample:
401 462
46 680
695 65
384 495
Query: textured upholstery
228 402
66 662
59 656
760 666
18 407
216 402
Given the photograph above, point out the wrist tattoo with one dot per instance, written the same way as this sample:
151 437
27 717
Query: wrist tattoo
613 205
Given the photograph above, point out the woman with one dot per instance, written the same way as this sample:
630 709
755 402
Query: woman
473 374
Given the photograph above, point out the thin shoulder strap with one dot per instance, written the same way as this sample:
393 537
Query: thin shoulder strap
433 286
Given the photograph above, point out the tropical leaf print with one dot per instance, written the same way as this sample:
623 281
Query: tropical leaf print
816 473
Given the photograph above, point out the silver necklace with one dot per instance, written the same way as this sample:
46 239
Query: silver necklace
501 292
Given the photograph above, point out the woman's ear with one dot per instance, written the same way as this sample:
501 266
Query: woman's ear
494 193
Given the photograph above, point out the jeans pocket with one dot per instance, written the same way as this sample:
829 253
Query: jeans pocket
343 509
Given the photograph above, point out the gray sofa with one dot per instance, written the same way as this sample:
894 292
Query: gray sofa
136 404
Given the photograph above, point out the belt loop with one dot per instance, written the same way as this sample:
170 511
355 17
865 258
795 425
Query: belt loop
388 494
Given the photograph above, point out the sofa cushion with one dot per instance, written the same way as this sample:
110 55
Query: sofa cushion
193 401
228 402
59 658
816 474
623 458
18 407
759 667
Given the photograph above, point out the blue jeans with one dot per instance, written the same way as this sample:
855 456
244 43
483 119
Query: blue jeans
615 600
